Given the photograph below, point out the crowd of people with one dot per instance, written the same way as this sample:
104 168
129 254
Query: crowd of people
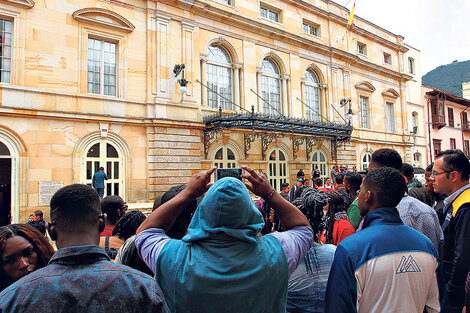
379 241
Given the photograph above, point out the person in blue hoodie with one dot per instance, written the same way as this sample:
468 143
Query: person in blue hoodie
387 266
222 264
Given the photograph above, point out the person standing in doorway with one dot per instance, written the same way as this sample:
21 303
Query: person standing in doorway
98 181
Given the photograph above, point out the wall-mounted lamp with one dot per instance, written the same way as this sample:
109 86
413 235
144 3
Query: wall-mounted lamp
179 68
349 114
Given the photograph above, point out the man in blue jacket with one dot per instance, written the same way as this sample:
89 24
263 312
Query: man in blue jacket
387 266
98 181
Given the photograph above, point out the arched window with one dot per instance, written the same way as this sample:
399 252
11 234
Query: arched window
277 169
219 78
103 153
320 161
225 158
312 96
417 158
366 160
271 88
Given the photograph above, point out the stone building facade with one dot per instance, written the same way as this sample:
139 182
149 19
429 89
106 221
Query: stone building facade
89 83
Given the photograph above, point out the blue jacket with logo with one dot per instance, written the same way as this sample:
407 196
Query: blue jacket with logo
385 267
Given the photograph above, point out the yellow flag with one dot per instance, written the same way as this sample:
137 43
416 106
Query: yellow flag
351 16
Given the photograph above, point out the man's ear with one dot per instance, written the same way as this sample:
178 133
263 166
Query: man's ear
369 196
102 217
51 230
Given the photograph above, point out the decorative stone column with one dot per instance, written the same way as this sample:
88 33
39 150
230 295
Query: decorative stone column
203 59
259 70
284 79
236 85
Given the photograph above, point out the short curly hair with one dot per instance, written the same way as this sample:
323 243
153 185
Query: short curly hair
389 185
386 157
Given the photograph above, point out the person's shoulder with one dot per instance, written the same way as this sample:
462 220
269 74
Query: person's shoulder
417 206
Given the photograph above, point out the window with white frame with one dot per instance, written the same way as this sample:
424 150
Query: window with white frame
361 48
105 154
366 160
387 58
277 169
225 158
6 40
270 14
320 161
102 67
271 88
229 2
312 96
311 28
411 65
219 78
414 123
389 117
364 104
417 158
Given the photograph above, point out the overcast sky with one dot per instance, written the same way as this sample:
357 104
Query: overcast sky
438 28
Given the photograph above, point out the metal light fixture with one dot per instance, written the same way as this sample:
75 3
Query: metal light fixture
349 114
179 69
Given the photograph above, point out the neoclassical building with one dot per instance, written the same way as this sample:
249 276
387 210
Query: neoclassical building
276 85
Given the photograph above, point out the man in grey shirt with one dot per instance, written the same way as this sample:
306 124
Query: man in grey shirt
413 212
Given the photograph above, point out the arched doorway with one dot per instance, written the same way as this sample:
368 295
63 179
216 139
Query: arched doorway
277 169
103 153
5 184
366 160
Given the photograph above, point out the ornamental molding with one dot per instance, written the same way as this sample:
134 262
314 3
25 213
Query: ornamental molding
27 4
104 18
365 86
391 93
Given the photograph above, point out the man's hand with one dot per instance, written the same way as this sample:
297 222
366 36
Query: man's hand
198 184
259 183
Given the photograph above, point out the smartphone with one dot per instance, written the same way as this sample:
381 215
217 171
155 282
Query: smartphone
228 172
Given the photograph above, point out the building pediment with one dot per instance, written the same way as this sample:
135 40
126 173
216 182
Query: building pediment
391 93
103 18
28 4
365 86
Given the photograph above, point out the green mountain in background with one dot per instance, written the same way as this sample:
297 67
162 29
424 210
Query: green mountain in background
449 77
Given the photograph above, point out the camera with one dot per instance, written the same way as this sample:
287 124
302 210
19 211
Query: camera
228 172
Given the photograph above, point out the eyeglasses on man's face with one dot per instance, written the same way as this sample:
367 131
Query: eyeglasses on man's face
434 173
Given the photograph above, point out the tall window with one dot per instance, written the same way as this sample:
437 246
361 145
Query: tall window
464 120
105 154
414 123
411 65
466 148
361 48
389 118
102 67
271 88
453 145
364 103
436 144
387 58
319 160
219 78
277 169
6 29
366 160
312 96
225 158
450 113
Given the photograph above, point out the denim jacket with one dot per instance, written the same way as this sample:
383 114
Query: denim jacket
83 279
307 285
